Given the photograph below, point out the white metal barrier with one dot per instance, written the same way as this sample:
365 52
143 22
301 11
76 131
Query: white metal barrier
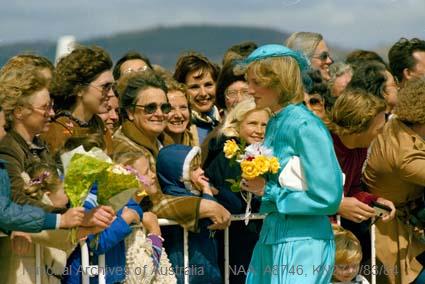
164 222
91 271
373 251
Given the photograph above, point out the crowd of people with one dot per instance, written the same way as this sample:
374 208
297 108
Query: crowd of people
357 128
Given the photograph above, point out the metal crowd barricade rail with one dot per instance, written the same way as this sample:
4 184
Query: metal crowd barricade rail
86 268
100 269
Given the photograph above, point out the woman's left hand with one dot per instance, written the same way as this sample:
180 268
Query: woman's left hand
21 243
255 185
387 217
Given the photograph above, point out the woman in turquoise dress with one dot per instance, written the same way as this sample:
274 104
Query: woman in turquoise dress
296 241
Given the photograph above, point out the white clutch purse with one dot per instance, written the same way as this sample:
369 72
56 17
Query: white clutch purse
292 175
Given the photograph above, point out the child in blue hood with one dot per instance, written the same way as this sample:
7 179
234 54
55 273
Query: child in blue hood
179 173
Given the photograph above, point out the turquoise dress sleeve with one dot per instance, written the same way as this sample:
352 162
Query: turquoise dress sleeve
311 141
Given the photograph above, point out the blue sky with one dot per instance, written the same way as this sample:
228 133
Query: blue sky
352 24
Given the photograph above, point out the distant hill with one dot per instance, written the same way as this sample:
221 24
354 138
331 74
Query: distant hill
163 44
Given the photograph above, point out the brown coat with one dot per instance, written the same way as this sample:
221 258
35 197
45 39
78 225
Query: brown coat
184 210
395 171
128 138
64 127
19 155
55 248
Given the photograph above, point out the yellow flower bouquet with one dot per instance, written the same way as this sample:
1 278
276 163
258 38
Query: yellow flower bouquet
254 160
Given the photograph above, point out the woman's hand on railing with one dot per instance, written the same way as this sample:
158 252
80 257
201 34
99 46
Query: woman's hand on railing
21 243
221 219
216 213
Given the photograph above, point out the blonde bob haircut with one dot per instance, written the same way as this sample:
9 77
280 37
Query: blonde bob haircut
235 117
354 111
348 248
16 88
282 74
410 107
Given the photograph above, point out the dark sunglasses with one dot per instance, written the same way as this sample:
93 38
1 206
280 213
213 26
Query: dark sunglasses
105 88
323 56
152 107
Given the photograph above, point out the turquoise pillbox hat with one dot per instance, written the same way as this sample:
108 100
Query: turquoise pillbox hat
276 50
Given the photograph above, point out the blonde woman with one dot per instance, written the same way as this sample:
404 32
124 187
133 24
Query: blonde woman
296 237
394 170
248 124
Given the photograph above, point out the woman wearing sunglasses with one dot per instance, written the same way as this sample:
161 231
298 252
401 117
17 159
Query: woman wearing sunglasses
81 85
145 109
314 48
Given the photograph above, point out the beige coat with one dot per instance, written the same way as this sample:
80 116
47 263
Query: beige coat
55 247
395 170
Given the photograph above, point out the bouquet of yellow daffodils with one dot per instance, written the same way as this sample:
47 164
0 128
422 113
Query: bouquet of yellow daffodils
255 160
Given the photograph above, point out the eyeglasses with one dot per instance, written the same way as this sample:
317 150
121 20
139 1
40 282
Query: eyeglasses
45 109
233 94
152 107
104 89
141 69
323 56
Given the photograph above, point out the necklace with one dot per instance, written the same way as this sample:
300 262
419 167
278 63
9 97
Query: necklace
77 120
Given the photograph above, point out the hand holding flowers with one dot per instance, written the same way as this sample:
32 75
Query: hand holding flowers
254 160
115 184
255 186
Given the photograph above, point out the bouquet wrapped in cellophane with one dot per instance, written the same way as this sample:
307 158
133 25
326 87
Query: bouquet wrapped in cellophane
115 184
254 160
